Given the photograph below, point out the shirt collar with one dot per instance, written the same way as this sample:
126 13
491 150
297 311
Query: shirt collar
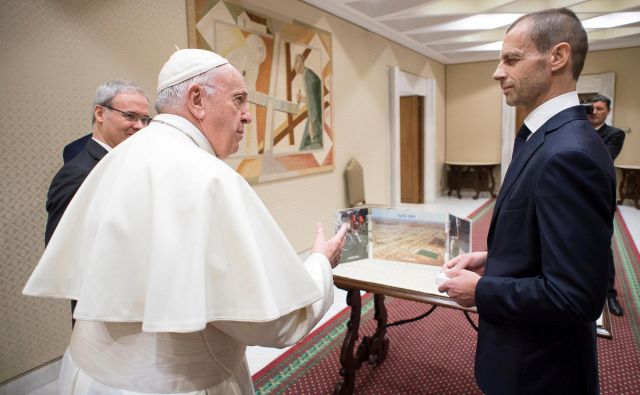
548 109
186 127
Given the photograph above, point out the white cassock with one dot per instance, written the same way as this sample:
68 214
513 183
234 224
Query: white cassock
177 266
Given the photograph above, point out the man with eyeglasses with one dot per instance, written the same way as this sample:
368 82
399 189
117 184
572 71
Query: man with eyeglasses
175 262
120 108
76 146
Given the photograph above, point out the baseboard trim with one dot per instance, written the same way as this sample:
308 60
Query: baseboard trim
33 379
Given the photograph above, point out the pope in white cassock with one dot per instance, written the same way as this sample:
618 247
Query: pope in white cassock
175 263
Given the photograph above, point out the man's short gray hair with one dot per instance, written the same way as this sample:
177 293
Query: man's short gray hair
110 89
556 25
175 96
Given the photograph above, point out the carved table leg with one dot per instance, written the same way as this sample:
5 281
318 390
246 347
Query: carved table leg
493 182
454 180
484 180
621 191
372 349
350 363
378 344
477 176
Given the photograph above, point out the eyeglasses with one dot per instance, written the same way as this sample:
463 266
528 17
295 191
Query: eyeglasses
131 116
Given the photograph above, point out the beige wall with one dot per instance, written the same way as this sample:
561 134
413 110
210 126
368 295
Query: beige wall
472 113
55 53
473 102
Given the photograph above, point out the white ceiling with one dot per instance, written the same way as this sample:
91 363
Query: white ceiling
429 27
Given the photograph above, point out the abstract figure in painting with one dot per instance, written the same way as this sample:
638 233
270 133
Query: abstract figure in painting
312 137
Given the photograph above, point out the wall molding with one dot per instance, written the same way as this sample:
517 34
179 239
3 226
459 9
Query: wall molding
33 379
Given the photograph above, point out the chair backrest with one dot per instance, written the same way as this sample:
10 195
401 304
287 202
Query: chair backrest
355 183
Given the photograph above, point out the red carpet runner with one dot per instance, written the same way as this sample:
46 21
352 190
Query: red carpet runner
436 355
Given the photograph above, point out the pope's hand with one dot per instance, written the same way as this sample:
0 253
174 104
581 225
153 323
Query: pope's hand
331 248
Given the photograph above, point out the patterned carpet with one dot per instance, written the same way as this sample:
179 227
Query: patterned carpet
435 355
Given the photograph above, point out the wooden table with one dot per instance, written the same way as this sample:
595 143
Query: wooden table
412 281
629 184
483 176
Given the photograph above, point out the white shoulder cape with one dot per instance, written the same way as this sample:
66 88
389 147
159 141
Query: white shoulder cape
164 233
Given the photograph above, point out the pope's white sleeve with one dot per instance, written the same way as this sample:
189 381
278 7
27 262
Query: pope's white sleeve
291 328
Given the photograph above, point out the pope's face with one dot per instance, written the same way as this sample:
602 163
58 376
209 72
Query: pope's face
111 127
523 73
600 112
226 112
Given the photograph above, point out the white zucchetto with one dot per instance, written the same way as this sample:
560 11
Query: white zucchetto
187 63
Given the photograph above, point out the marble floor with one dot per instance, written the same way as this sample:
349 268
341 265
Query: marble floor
259 357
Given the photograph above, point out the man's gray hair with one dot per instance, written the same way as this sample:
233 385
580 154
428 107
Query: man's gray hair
174 97
110 89
554 26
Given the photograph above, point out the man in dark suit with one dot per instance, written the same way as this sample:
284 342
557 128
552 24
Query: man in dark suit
120 109
542 283
614 139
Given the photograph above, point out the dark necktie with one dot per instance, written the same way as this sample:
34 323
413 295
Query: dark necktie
521 138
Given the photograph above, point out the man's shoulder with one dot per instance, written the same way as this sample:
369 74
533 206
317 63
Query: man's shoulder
569 123
76 169
72 149
568 118
611 129
573 134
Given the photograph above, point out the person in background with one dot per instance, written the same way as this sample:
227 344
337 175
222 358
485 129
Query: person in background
175 262
120 108
614 139
542 283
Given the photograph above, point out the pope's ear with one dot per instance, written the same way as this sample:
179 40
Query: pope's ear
195 100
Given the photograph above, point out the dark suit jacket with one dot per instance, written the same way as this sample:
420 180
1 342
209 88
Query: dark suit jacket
613 138
75 147
546 273
67 181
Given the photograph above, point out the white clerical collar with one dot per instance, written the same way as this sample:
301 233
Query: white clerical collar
548 109
186 127
104 145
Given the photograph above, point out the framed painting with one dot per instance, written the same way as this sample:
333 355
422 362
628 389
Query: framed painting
288 72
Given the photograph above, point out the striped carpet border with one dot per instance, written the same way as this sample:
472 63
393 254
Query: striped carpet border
627 263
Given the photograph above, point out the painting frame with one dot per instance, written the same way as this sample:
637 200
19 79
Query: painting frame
288 70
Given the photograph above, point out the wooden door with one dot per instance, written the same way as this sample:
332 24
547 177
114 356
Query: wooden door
411 152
